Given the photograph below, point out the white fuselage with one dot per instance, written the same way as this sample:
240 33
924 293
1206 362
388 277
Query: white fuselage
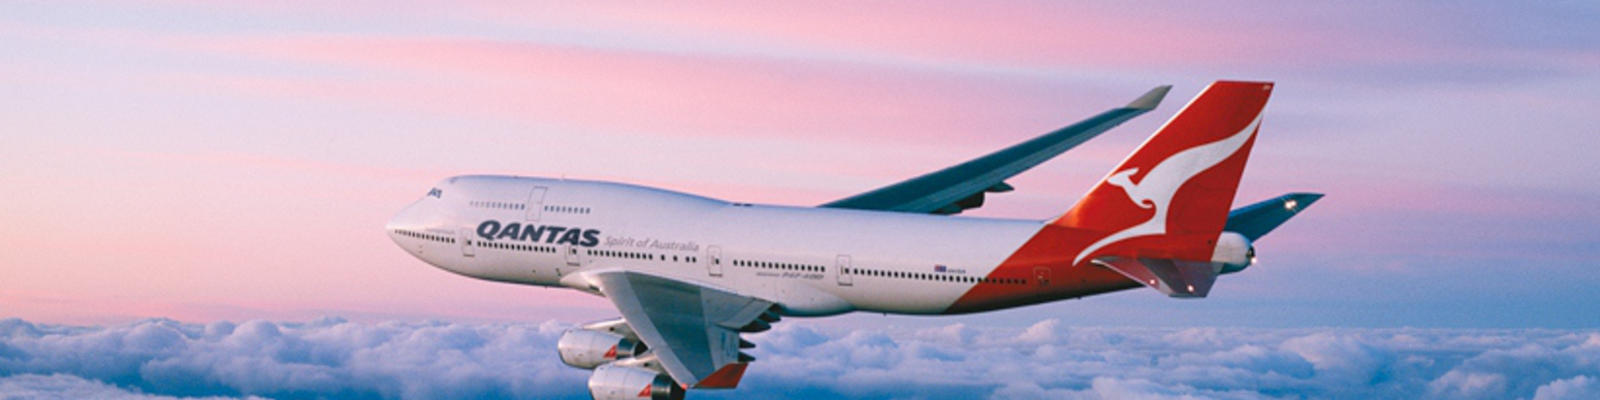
811 261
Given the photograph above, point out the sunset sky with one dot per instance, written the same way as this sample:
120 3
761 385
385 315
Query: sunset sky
237 160
195 191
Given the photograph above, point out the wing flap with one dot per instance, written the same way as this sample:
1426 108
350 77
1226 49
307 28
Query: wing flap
692 329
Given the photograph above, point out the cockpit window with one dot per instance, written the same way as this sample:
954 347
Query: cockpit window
435 193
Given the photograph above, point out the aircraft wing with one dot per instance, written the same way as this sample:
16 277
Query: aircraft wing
961 187
692 329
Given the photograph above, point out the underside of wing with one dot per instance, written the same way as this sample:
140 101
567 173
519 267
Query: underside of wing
961 187
693 329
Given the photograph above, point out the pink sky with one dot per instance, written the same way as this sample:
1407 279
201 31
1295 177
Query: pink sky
208 161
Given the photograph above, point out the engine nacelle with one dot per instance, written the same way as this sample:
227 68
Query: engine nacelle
1234 253
618 326
587 349
616 382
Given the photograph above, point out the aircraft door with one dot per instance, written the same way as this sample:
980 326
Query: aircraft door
465 240
714 260
842 266
1042 276
572 255
536 202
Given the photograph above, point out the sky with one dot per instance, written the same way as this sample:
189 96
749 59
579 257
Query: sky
201 162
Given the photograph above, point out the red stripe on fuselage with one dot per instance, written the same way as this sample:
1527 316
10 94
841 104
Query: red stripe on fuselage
1042 254
1197 210
1054 246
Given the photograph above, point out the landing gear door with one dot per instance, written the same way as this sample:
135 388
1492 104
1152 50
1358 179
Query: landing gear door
842 265
714 260
536 202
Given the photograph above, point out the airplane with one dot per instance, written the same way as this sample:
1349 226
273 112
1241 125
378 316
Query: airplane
689 273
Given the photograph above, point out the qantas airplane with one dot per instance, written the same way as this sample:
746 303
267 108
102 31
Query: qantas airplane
689 273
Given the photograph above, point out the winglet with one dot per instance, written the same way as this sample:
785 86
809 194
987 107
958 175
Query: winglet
1150 99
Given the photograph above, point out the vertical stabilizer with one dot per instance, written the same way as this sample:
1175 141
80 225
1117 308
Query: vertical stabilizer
1170 198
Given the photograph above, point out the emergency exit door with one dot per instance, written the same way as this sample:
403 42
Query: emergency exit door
714 260
842 265
536 202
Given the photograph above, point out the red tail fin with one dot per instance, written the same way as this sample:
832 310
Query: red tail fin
1173 193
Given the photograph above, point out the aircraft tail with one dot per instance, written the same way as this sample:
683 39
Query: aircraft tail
1159 216
1255 220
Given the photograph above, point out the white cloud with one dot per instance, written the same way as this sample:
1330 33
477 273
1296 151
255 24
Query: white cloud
1041 332
1468 385
1581 387
69 387
338 359
1340 357
328 357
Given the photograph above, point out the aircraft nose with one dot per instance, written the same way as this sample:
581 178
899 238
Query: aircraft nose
408 219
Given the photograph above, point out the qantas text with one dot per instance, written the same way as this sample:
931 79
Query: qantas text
491 230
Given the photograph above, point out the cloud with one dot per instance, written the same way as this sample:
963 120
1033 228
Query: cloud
72 388
334 358
323 358
69 387
1052 360
1581 387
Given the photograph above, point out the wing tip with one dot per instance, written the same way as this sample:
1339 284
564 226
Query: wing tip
1300 200
1150 99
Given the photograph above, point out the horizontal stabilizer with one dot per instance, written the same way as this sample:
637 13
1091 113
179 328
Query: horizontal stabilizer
1255 220
1176 278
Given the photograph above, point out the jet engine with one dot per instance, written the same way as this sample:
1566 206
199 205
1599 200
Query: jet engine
588 349
1234 253
617 382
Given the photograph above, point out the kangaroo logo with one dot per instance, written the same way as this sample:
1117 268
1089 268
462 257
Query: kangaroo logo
1155 191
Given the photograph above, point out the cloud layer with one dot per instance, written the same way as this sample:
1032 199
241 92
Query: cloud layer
339 359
